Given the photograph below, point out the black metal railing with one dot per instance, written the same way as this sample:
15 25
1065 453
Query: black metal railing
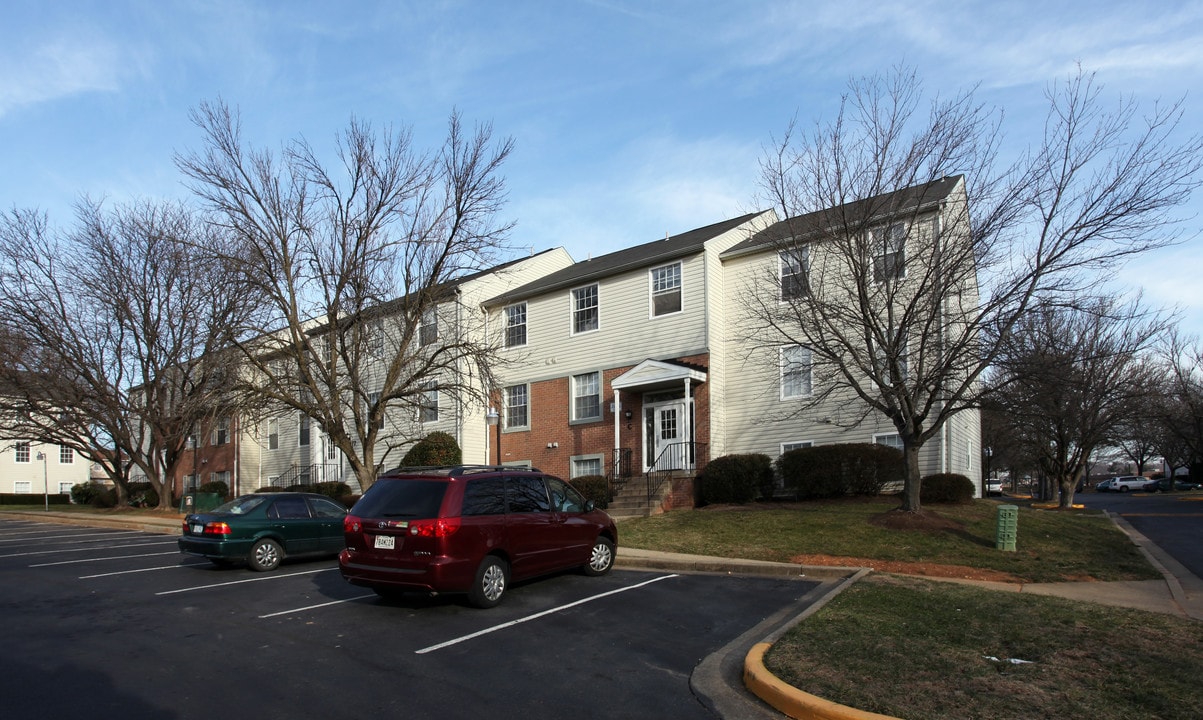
676 460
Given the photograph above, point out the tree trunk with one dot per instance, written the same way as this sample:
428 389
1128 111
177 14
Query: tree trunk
912 482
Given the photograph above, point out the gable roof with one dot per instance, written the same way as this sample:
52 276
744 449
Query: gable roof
659 251
911 200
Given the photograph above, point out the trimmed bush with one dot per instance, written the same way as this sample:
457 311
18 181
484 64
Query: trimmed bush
593 487
828 471
271 489
143 494
735 478
39 499
83 493
333 489
946 488
437 448
217 487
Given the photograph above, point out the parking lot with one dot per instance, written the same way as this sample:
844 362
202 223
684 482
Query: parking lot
119 623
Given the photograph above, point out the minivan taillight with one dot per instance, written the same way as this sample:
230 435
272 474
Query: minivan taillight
352 524
440 528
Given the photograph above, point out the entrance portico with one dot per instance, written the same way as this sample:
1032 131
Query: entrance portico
668 422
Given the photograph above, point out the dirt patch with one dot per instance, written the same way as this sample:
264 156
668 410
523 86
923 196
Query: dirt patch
914 520
962 572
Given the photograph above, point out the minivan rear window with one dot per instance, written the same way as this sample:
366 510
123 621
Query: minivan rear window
402 498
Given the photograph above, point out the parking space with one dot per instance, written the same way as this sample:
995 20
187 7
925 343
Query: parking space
147 623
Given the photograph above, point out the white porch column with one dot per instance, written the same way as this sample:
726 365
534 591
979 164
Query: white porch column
617 428
687 424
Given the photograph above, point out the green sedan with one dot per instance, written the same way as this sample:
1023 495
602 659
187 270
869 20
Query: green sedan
264 528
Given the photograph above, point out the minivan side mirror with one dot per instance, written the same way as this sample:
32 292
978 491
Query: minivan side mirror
589 506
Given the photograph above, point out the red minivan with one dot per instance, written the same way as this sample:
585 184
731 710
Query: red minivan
471 529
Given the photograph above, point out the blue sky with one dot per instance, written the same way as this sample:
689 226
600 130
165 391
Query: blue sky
632 119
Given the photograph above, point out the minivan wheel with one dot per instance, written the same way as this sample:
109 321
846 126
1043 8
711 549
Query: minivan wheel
491 579
265 555
601 558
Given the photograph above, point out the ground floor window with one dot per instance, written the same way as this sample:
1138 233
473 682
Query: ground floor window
786 447
587 465
22 487
893 440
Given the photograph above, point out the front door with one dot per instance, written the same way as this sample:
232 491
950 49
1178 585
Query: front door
665 437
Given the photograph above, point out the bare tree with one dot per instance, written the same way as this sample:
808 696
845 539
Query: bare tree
1072 377
1181 403
895 217
357 267
119 324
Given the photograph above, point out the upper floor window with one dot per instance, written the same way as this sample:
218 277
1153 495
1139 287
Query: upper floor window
794 273
273 434
429 404
795 371
586 396
375 338
21 450
515 325
429 332
889 256
584 309
666 289
303 431
373 401
66 455
516 407
221 432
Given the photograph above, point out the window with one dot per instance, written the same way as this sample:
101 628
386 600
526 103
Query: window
428 404
66 455
893 440
484 496
375 332
516 414
882 361
795 371
221 433
222 477
21 450
794 273
189 482
889 259
273 434
584 309
303 431
22 487
564 497
586 465
515 325
526 494
429 332
586 396
786 447
666 289
373 401
64 488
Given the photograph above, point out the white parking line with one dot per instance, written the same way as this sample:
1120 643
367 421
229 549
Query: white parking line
88 560
239 582
89 549
71 538
314 607
536 616
139 570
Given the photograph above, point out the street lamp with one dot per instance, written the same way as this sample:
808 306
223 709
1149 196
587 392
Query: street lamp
45 481
494 419
985 488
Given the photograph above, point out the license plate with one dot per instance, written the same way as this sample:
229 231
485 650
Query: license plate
385 542
198 529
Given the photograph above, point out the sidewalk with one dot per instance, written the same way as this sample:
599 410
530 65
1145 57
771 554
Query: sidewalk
1179 592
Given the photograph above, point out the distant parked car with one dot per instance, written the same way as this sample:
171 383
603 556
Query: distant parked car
994 486
264 528
1164 485
1123 483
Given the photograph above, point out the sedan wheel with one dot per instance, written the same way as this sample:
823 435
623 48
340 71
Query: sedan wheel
601 559
491 579
265 555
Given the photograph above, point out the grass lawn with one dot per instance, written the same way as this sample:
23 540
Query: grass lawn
920 649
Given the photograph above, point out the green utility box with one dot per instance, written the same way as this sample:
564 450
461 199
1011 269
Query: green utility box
194 502
1008 527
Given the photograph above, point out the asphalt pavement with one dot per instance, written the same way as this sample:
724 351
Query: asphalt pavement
1179 592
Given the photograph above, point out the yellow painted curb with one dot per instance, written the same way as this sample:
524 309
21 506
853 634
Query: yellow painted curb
790 700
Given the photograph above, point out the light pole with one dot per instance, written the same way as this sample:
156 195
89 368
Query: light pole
985 486
494 419
45 481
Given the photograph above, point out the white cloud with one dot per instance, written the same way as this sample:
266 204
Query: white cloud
64 66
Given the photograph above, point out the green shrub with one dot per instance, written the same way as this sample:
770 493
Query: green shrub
142 494
104 498
333 489
827 471
946 488
217 487
437 448
735 478
38 499
83 493
269 489
595 488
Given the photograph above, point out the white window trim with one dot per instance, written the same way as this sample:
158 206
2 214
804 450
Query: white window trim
879 253
506 406
804 253
572 461
781 368
799 444
878 436
572 398
273 423
651 290
573 309
505 325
